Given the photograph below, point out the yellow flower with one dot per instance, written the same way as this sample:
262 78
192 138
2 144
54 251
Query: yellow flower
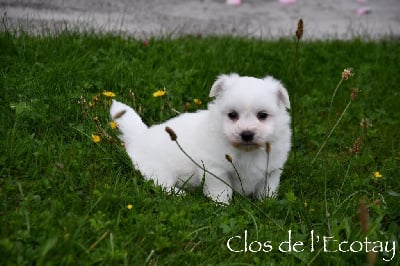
113 124
109 94
96 138
197 101
91 105
377 175
130 206
159 93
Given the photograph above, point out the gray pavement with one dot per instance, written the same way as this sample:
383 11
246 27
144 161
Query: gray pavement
267 19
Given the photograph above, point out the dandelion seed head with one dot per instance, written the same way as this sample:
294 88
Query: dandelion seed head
82 101
119 114
347 73
268 147
300 29
355 149
171 133
366 123
132 95
354 93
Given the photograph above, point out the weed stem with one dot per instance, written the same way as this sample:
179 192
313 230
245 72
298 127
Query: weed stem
333 96
237 173
223 181
331 132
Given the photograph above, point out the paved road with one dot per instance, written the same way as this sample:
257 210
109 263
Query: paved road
253 18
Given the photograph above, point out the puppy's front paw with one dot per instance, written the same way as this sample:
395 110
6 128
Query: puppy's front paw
269 188
221 196
268 193
175 191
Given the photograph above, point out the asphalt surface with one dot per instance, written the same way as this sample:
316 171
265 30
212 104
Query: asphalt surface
267 19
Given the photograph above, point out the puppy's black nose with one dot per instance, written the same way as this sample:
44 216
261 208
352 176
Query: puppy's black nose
247 136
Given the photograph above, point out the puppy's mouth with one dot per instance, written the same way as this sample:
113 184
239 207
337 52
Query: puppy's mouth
246 141
246 146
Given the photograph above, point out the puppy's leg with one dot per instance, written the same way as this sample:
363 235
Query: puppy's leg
216 189
269 186
168 183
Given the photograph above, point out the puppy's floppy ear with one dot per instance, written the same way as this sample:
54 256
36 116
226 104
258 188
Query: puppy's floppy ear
283 96
220 84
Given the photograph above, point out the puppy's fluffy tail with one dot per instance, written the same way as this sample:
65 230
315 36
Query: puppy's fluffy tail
129 122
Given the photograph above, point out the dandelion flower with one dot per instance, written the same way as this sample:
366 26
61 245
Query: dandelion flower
113 124
197 101
91 105
377 175
159 93
109 94
96 138
130 206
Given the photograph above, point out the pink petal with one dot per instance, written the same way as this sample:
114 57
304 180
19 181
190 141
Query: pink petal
287 2
363 10
233 2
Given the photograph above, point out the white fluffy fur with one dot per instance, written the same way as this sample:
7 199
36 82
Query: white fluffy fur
208 135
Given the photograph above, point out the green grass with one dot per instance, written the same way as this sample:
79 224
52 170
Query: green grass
64 198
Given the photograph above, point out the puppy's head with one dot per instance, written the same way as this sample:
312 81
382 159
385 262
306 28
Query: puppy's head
251 110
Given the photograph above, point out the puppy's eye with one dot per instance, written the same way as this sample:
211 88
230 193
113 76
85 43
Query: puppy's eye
233 115
262 115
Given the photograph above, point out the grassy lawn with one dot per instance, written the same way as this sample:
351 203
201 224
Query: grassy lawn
66 200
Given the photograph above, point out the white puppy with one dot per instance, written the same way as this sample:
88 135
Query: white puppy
248 120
